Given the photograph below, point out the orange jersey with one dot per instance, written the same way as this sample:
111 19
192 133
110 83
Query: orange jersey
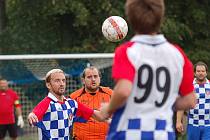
92 129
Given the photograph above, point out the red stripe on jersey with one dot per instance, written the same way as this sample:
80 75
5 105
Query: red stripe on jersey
41 108
187 80
116 27
84 111
122 67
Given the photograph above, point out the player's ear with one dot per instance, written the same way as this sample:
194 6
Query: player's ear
206 74
83 81
48 85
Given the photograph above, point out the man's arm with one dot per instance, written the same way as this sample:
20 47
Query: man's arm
38 111
185 102
119 97
122 91
179 121
18 110
20 121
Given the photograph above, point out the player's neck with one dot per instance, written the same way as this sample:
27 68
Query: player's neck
201 81
59 97
91 90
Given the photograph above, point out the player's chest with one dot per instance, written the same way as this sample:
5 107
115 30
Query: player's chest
4 97
94 101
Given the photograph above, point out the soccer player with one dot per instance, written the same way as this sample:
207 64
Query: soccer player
54 115
199 117
150 73
91 95
8 100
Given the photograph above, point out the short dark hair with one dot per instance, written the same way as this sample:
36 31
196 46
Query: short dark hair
145 16
200 63
91 67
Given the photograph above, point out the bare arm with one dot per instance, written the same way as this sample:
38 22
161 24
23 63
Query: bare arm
179 122
120 95
185 102
99 115
18 111
20 121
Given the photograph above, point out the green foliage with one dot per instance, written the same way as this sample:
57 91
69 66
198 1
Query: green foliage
188 24
57 26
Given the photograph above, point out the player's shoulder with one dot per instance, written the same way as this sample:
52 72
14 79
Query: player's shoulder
76 93
180 50
107 90
46 101
122 49
124 45
11 91
72 102
42 106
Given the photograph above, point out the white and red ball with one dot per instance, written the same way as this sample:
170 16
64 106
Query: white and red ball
114 28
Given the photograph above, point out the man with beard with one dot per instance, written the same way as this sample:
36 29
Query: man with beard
55 114
198 118
91 95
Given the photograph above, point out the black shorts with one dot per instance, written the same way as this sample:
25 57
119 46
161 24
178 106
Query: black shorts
11 128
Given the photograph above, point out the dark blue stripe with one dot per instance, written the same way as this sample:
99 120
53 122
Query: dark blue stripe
115 121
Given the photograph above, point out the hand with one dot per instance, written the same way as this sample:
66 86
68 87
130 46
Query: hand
179 127
109 121
20 121
104 110
32 118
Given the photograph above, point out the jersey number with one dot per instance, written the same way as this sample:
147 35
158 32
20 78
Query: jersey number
148 84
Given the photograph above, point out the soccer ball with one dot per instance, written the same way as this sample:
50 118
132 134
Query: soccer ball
114 28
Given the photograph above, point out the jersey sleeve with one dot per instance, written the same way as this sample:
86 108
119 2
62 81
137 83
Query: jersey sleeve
16 99
122 67
186 86
83 111
41 108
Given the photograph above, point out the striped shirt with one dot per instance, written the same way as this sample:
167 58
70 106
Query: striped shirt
56 118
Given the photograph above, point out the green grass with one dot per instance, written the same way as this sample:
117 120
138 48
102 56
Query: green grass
30 137
182 137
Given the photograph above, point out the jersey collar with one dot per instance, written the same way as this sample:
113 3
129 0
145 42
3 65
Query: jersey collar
51 96
149 39
207 81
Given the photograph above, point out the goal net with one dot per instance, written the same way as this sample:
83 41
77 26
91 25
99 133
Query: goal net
26 73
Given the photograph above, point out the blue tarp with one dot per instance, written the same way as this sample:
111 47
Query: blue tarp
16 72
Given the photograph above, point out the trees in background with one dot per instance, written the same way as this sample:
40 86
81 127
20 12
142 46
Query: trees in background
74 26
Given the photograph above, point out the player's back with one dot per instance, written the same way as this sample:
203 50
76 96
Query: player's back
158 74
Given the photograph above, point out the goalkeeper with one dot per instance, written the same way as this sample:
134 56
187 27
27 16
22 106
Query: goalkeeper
91 95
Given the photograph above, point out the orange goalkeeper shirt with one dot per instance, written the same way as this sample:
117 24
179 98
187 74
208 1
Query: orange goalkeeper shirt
92 129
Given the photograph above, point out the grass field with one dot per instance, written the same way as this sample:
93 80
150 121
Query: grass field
31 137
